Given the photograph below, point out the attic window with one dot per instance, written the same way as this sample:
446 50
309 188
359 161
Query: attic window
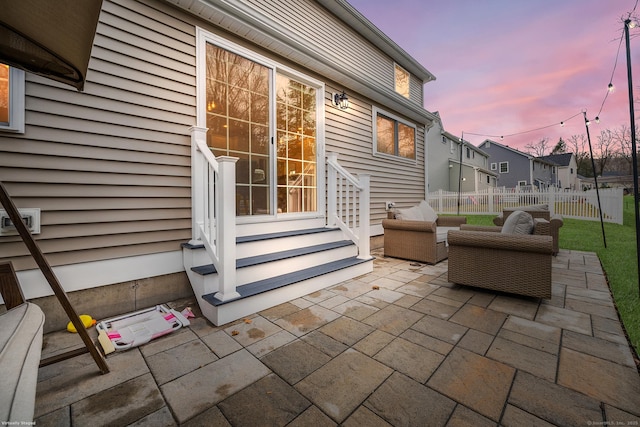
402 78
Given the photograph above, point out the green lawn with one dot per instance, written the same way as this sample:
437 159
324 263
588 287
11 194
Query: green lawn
618 259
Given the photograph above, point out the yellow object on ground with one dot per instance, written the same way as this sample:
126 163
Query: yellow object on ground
86 320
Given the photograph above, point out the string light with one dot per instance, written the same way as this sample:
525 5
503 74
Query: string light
610 89
523 132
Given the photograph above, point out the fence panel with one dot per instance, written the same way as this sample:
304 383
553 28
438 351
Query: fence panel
568 203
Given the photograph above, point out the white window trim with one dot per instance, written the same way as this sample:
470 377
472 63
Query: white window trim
202 38
522 183
375 110
500 167
16 102
494 166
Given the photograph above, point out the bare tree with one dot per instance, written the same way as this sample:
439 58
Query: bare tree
538 149
605 149
623 140
579 146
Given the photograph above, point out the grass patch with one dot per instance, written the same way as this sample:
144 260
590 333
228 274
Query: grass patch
619 259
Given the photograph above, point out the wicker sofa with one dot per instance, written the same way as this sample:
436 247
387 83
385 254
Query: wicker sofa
512 263
419 240
536 211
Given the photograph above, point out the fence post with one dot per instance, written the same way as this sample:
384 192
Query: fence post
552 201
490 201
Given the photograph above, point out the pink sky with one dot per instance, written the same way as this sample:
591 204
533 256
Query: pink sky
506 67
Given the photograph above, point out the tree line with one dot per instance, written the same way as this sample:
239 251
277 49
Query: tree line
612 151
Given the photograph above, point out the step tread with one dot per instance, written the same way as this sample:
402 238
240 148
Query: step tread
275 256
281 234
269 236
265 285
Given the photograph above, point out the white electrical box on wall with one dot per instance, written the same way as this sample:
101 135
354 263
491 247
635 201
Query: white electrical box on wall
30 216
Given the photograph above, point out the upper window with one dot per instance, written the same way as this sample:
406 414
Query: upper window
11 99
504 167
394 137
494 166
402 81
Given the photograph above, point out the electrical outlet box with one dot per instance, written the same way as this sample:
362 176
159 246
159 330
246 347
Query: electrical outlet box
30 216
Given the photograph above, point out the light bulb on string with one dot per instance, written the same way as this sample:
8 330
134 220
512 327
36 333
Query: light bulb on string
597 119
501 138
587 122
561 124
611 88
631 23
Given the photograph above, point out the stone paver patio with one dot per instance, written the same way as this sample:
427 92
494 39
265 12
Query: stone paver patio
399 346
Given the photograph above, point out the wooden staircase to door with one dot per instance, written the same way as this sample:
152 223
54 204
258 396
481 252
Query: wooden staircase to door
274 268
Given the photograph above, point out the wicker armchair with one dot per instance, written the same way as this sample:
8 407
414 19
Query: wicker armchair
513 263
418 240
555 221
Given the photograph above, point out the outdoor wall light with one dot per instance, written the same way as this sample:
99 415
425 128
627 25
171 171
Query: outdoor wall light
340 100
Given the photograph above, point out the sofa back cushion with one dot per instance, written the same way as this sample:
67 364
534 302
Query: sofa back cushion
428 214
412 214
519 222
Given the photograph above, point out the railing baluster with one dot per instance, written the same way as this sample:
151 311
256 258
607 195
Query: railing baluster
350 199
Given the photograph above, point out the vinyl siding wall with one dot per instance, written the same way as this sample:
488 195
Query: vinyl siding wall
110 167
350 134
315 27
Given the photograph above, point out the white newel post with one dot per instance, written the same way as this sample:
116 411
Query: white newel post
364 250
226 218
332 209
198 182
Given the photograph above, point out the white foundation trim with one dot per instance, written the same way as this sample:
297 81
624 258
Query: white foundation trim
93 274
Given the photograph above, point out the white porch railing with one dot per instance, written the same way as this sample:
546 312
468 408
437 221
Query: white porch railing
213 189
348 204
568 203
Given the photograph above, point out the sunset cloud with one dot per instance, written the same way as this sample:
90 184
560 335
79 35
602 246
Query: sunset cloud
506 67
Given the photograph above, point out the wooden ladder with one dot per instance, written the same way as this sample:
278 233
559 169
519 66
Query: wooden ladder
12 294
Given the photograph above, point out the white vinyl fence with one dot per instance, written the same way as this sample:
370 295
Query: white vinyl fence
569 204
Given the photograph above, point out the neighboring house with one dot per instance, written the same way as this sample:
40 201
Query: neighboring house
445 153
518 169
566 170
121 175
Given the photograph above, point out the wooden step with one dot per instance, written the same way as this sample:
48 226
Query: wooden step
266 285
276 256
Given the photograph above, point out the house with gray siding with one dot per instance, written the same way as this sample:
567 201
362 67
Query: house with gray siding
518 169
240 150
447 154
